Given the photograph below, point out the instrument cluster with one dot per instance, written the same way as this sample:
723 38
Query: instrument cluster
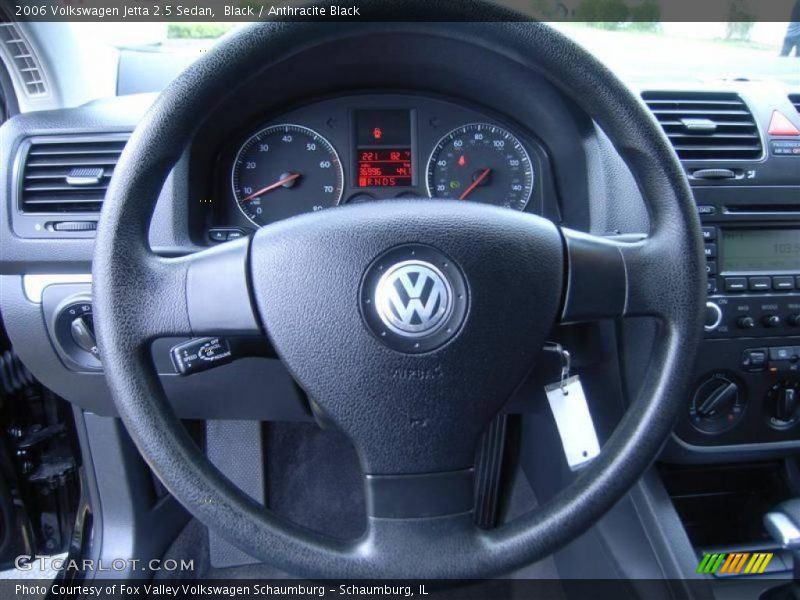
374 147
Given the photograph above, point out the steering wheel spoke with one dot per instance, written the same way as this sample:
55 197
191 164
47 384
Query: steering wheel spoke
205 293
420 495
409 547
218 293
613 277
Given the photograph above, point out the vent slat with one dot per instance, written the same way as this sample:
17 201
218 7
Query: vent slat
724 136
24 61
58 173
79 149
67 200
77 152
657 102
693 112
54 187
707 125
72 162
699 148
734 124
69 174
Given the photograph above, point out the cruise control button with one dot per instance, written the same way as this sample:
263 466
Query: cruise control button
783 283
218 235
225 234
735 284
760 284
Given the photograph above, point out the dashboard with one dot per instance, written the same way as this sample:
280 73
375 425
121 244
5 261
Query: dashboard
366 148
387 126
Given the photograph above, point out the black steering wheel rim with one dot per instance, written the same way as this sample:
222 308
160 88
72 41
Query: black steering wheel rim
667 268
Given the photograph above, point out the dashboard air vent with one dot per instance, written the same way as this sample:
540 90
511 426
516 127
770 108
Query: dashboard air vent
795 99
23 59
67 175
707 125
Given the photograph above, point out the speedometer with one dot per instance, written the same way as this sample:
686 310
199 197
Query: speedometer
481 162
285 170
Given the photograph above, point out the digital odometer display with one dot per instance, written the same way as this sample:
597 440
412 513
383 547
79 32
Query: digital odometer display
765 250
384 155
384 167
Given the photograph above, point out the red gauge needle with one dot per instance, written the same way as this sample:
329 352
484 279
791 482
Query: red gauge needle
282 181
475 184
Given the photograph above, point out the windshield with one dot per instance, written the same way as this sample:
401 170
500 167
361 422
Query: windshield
683 51
638 51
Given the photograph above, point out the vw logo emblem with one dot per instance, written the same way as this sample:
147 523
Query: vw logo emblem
413 298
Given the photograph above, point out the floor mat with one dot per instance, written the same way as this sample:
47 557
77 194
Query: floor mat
314 479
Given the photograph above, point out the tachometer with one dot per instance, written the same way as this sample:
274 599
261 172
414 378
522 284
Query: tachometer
285 170
481 162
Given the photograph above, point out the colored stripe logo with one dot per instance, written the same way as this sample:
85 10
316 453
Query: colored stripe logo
735 563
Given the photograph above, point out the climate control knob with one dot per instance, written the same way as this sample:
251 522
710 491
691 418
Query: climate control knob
713 316
782 405
717 405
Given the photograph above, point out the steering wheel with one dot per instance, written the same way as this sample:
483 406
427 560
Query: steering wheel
409 323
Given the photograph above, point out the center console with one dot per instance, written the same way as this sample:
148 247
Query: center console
747 385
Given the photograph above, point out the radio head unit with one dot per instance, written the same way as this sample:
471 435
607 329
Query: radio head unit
753 280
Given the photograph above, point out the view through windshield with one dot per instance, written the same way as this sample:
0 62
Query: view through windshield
639 51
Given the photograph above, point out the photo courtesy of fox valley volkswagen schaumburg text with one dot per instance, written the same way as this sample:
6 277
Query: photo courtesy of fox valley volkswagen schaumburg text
451 300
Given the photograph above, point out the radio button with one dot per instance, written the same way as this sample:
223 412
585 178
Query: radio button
760 284
711 286
711 250
711 267
793 320
735 284
745 322
782 353
709 234
771 320
783 283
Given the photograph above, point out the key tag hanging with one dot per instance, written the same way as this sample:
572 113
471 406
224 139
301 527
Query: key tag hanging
571 413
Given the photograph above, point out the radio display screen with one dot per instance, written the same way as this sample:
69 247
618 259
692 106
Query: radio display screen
760 250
